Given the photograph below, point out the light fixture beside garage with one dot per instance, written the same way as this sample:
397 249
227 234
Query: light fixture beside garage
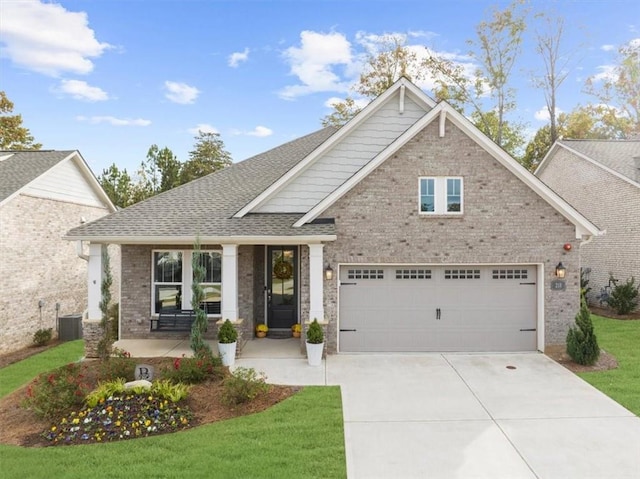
560 270
328 273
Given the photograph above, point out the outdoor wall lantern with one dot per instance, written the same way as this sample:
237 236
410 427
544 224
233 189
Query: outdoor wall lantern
328 273
560 270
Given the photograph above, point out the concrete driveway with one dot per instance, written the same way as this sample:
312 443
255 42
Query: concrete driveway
471 416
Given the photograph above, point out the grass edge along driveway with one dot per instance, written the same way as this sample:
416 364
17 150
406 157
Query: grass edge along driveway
301 437
622 339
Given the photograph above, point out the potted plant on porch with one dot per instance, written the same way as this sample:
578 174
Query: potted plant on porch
261 330
227 340
315 343
296 330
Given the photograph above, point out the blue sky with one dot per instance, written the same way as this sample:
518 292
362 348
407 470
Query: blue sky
110 78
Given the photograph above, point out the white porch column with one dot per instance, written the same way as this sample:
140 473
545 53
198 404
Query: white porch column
94 281
316 280
230 281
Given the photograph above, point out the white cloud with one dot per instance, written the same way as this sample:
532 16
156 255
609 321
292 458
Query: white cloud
94 120
259 131
238 57
48 39
180 92
543 114
359 102
204 128
314 63
605 73
607 48
81 90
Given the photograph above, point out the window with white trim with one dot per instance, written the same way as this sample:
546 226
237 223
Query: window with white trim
441 195
173 277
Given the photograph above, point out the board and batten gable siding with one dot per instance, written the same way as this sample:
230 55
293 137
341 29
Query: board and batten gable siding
65 182
504 222
347 157
609 202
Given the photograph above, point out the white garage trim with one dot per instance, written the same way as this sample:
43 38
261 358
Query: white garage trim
539 289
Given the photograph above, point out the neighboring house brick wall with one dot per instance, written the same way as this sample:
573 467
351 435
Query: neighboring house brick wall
612 204
37 264
504 222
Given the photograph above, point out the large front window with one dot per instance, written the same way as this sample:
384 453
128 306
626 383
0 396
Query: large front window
440 195
173 278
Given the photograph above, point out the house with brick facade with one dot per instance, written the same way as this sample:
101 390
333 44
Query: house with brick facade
405 230
42 277
601 179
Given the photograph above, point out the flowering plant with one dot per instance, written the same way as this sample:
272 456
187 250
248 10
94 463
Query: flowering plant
262 328
296 328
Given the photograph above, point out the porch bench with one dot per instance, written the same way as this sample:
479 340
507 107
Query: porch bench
169 321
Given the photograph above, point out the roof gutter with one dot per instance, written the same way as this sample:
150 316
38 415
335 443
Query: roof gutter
188 240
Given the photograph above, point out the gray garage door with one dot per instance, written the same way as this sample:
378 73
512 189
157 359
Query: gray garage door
436 308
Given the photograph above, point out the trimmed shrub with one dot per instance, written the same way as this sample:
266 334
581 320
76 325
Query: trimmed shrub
244 385
582 344
315 335
117 368
42 336
624 297
227 334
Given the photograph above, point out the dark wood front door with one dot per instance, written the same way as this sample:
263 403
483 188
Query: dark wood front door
282 286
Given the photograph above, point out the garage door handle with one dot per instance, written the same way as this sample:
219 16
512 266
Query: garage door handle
348 284
532 329
529 283
347 330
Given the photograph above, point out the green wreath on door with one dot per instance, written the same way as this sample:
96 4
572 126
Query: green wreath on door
282 269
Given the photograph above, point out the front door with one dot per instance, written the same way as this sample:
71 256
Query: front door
282 286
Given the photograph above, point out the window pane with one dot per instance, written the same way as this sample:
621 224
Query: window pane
454 197
212 262
168 267
168 298
427 195
212 299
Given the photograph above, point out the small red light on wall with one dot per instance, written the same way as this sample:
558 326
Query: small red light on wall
567 246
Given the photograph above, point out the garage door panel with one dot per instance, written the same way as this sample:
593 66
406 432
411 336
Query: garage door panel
438 308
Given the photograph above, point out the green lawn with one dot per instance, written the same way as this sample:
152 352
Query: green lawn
301 437
622 339
20 373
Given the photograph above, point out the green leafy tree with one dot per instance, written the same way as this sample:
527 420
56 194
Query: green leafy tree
207 157
619 93
487 94
105 344
389 60
624 297
513 141
582 344
199 346
13 136
117 185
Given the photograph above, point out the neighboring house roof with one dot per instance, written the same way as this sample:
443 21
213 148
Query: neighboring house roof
221 206
20 168
205 207
620 157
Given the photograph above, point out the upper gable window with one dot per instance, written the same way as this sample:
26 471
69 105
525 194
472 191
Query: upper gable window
441 195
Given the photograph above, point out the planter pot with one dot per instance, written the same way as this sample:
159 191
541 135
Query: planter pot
314 354
261 334
296 334
227 353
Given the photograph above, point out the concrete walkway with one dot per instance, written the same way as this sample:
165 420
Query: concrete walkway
453 416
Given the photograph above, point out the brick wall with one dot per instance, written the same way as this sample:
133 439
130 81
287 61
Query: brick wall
37 264
503 222
609 202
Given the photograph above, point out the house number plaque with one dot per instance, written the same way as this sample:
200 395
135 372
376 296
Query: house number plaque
558 285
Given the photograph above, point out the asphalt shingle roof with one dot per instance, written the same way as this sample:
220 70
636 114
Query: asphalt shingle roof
206 206
615 154
22 167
